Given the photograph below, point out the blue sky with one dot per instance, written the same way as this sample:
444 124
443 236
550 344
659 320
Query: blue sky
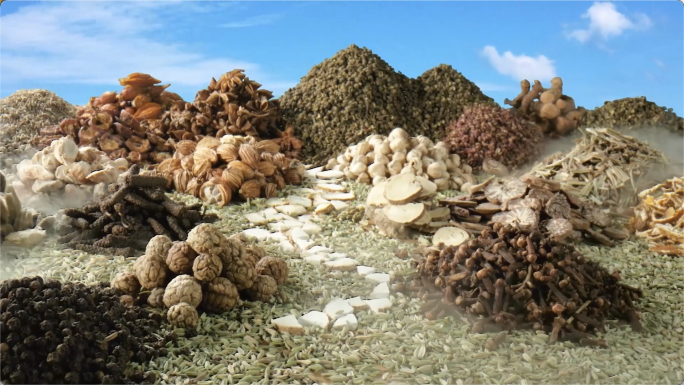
603 51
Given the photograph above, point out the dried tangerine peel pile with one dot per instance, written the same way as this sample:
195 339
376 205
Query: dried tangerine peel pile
379 157
632 113
604 166
209 272
659 217
355 94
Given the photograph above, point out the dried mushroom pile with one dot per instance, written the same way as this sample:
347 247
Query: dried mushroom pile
111 122
377 158
517 279
554 112
54 333
355 94
532 203
16 223
128 215
209 271
491 132
604 166
24 113
217 170
659 217
632 113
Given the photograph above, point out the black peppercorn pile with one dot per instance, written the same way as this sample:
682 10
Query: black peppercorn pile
123 222
71 333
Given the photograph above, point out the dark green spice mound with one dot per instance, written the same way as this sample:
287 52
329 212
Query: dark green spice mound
71 333
355 94
632 113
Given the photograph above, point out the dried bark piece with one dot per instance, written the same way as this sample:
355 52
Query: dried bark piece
615 233
487 208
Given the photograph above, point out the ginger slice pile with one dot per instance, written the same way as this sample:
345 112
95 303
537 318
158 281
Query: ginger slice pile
659 217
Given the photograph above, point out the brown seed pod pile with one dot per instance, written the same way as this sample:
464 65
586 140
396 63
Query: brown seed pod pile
632 113
209 271
355 94
218 170
55 333
518 279
491 132
554 112
659 217
133 211
111 122
533 204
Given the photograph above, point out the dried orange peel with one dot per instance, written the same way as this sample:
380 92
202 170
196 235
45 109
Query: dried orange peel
659 217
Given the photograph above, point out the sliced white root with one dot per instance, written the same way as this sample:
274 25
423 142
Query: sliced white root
450 236
376 196
330 187
324 208
487 208
330 174
404 214
402 189
440 214
429 188
339 196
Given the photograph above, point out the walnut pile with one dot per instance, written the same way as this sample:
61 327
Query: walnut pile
219 170
112 121
133 210
491 132
631 114
518 280
207 272
379 157
554 112
355 94
532 204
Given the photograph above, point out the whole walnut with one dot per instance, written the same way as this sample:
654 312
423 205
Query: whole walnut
180 257
126 282
151 271
183 288
262 290
274 267
219 295
158 245
254 253
183 315
240 272
207 267
206 238
127 300
156 298
239 237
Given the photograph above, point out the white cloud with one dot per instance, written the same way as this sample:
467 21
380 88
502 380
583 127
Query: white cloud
493 87
521 66
253 21
606 21
99 42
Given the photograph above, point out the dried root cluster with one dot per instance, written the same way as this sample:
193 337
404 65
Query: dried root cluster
632 113
355 94
516 280
112 121
55 333
24 113
554 112
533 204
659 217
605 166
491 132
16 222
209 271
128 215
217 170
379 157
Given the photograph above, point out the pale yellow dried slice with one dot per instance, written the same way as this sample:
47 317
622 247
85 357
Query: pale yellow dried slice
376 196
324 208
339 196
429 188
402 189
404 214
440 214
450 236
330 187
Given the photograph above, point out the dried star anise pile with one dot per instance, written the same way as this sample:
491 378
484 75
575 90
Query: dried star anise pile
517 280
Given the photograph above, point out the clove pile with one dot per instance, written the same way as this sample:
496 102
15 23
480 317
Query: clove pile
518 280
136 210
68 333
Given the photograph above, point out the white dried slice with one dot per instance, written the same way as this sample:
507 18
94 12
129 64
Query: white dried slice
330 187
330 174
324 208
402 189
450 236
297 200
292 210
288 324
404 214
339 205
487 208
428 188
440 214
376 196
339 196
318 200
479 187
256 219
275 202
423 220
